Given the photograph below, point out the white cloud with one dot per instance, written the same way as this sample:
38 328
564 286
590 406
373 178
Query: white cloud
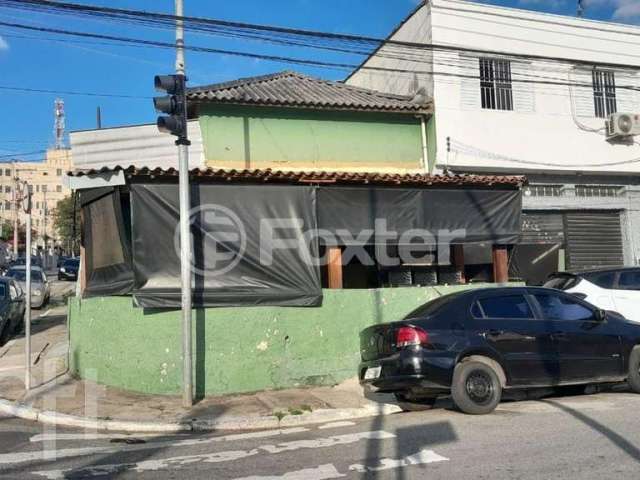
627 10
3 44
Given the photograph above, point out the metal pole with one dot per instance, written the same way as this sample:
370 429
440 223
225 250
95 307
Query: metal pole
27 314
15 212
185 237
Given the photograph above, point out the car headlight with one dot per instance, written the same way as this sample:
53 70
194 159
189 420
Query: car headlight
37 292
62 270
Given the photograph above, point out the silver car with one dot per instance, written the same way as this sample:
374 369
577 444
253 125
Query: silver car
40 288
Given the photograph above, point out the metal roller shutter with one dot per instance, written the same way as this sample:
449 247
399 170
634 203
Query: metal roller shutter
594 240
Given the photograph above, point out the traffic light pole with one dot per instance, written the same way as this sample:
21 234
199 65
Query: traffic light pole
185 237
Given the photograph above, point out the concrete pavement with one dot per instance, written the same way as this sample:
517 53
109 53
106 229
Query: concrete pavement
586 437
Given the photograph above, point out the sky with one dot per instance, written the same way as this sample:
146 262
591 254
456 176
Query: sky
42 62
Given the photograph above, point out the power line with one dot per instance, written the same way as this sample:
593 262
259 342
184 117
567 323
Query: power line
284 59
236 28
70 92
24 154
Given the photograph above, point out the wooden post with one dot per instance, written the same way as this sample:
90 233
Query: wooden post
334 265
500 264
458 263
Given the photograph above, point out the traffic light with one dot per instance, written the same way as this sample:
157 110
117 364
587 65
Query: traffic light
174 104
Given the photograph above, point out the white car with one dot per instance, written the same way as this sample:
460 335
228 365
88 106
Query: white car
611 289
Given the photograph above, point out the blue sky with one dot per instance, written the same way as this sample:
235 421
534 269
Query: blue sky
27 121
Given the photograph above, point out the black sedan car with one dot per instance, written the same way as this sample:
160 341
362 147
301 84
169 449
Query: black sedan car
12 307
69 269
474 344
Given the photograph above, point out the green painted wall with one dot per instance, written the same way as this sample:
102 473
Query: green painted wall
236 349
432 140
249 137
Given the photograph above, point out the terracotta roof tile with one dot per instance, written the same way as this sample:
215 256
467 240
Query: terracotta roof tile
302 177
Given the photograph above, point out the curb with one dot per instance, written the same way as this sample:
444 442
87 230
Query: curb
195 425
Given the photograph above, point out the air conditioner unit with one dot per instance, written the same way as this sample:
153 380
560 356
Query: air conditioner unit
623 125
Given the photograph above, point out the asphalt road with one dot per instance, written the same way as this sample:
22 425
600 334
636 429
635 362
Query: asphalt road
586 437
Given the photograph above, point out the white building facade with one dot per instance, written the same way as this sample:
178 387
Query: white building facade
519 92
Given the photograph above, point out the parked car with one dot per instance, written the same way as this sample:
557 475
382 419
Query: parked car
60 260
612 289
69 269
35 261
474 344
12 306
40 289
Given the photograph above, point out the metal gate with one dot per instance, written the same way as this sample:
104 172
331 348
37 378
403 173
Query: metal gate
594 240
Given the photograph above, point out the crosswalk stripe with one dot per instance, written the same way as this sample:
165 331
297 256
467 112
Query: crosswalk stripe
52 454
215 457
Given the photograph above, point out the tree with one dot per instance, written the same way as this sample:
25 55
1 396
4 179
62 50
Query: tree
7 232
64 216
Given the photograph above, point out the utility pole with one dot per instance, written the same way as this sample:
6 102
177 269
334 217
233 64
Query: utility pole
15 209
25 199
185 204
175 105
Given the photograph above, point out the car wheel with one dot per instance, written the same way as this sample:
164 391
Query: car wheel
634 370
411 404
476 388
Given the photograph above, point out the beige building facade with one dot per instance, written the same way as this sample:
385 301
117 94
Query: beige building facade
45 178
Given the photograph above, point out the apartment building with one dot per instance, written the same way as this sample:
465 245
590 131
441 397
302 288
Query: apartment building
521 92
45 178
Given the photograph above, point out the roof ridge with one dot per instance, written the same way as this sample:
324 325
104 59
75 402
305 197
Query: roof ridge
292 73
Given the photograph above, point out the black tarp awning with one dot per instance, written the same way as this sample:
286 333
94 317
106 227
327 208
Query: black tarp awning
248 245
255 244
477 215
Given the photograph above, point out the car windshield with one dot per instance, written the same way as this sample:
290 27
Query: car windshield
21 275
71 264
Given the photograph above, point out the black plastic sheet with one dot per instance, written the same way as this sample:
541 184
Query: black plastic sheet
106 243
484 215
248 242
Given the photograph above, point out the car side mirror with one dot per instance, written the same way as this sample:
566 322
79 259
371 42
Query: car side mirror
601 315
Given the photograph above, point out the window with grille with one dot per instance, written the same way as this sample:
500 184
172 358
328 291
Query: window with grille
545 190
604 93
495 84
599 190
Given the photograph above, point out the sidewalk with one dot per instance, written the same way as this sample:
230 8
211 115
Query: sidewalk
59 399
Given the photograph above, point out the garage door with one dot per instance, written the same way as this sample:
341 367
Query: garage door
594 240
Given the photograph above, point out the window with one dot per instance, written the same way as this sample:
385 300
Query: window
599 190
44 188
629 280
507 306
59 172
603 280
556 307
604 93
7 205
37 188
3 290
545 190
7 189
495 84
58 188
7 173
